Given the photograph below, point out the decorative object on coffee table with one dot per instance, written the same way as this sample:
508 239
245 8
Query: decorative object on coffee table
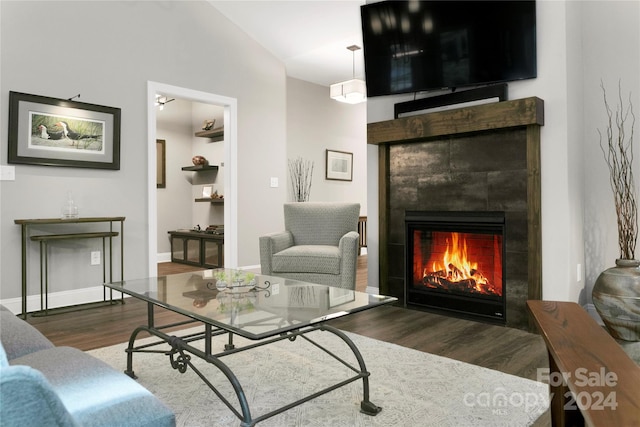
616 293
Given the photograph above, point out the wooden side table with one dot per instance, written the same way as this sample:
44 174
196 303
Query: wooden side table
592 380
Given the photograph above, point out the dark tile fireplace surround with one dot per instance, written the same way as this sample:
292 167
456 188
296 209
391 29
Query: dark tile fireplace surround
476 159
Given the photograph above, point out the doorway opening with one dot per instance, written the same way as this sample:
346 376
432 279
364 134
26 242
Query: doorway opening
230 161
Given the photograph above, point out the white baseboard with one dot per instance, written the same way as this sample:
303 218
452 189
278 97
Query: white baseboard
164 257
60 299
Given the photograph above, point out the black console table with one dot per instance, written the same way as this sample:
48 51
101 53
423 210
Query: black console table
44 239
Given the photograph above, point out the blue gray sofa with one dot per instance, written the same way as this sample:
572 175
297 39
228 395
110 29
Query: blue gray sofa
45 385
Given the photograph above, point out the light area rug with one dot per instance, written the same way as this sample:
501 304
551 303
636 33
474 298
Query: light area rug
412 387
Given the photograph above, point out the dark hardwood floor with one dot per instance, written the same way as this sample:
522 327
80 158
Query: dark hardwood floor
500 348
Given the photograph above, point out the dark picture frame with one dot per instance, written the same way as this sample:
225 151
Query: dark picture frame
339 165
48 131
161 163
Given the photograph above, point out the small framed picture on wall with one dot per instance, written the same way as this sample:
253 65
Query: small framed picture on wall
207 191
161 163
339 165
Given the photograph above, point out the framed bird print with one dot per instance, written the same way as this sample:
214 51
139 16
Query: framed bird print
58 132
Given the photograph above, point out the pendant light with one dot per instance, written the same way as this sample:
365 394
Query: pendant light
352 91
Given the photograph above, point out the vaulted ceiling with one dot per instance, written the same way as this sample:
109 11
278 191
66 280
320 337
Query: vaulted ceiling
309 37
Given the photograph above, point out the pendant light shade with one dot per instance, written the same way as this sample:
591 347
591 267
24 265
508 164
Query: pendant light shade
351 91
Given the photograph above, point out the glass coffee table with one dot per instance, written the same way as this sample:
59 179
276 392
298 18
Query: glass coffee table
263 309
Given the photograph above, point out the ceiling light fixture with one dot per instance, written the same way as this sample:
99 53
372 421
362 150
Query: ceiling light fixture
352 91
161 100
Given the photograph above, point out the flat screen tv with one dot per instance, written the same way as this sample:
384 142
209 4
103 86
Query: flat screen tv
414 46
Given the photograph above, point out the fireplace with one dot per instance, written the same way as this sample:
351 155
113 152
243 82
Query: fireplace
455 262
483 158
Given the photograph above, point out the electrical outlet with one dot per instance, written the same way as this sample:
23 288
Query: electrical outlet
274 182
275 288
95 257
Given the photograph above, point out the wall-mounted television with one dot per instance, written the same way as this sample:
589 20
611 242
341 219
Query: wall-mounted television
415 46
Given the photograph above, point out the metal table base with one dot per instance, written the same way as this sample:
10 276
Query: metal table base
182 350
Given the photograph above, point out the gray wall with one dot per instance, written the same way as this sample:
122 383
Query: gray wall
316 123
108 54
611 54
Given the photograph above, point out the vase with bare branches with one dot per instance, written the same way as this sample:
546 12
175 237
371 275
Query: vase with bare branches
301 174
616 292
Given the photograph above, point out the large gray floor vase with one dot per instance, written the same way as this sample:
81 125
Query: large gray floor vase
616 296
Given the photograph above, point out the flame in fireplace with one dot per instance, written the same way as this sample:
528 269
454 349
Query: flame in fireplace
455 269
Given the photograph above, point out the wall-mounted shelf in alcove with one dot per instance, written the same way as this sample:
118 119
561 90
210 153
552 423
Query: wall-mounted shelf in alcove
210 200
216 134
200 168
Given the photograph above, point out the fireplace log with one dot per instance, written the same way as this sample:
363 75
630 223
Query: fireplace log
466 285
455 271
439 273
433 282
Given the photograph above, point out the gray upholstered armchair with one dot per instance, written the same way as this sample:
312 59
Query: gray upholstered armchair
319 244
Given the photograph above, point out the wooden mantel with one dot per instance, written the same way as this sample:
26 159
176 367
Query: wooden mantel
499 115
526 113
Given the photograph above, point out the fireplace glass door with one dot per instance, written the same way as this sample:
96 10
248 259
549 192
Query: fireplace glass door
455 262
